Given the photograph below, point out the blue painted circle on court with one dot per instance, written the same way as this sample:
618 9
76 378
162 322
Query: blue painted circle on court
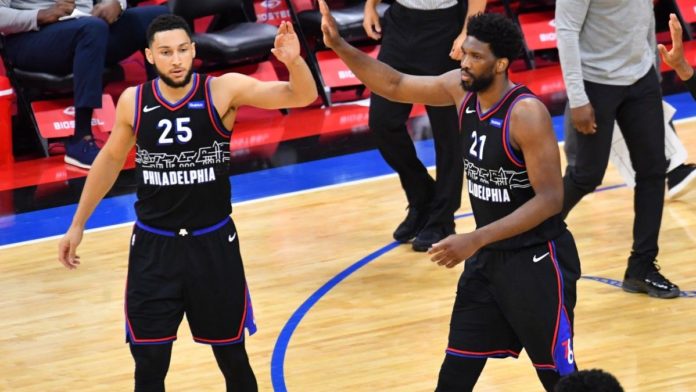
281 346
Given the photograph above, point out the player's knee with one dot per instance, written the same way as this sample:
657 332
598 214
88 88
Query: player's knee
459 374
586 181
231 357
94 27
92 37
151 362
652 172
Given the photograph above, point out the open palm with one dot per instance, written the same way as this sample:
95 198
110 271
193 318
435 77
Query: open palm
286 46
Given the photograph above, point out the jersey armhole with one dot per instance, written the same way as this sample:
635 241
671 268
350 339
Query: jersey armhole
138 108
465 102
213 113
507 145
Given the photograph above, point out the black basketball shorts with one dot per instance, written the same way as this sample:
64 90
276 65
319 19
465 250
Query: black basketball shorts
194 272
509 300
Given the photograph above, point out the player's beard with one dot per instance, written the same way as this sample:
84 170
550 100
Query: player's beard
170 82
476 84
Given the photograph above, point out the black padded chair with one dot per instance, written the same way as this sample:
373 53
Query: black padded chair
33 86
349 19
232 38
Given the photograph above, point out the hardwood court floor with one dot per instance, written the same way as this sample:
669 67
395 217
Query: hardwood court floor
384 328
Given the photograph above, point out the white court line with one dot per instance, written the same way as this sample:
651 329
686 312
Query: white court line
261 199
258 200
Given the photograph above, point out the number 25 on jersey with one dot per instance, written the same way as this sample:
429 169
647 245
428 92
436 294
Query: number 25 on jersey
182 132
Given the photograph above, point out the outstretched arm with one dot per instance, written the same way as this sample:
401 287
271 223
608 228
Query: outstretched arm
101 177
299 91
531 131
443 90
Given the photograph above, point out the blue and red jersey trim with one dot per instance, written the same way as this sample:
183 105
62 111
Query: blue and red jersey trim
247 323
465 101
180 103
507 145
169 233
130 335
213 113
482 354
491 111
138 108
561 345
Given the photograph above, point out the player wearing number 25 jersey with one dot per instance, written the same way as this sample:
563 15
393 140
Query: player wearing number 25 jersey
184 250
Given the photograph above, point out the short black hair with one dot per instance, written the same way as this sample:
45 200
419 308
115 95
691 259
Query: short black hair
499 32
594 380
165 23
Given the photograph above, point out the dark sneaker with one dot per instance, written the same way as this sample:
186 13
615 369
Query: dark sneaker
81 153
654 284
430 235
414 222
679 179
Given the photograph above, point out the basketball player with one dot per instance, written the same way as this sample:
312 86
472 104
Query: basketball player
184 254
518 287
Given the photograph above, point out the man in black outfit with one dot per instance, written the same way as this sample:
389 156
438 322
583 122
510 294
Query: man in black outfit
418 39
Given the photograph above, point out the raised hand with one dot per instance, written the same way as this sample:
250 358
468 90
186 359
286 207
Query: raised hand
287 45
328 26
675 56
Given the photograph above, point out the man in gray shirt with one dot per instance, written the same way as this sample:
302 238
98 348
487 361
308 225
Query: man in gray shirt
74 36
607 53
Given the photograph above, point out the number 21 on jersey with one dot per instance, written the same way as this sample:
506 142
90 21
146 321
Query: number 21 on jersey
477 144
182 132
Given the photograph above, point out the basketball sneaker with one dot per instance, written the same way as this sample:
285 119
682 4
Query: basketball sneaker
654 284
414 222
430 235
679 179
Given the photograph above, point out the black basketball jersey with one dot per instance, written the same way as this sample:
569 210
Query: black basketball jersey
497 180
182 158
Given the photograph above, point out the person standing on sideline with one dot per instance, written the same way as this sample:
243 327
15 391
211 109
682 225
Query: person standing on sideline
431 29
184 250
608 69
518 287
42 36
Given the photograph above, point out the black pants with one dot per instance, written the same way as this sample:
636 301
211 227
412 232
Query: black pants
82 47
638 111
418 42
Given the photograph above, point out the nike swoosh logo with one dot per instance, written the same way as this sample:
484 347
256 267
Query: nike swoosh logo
537 259
470 111
149 109
232 237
